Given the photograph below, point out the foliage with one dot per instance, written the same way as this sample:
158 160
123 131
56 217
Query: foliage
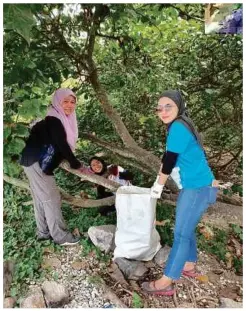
165 212
218 245
140 50
19 237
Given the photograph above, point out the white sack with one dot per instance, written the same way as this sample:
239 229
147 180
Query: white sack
136 236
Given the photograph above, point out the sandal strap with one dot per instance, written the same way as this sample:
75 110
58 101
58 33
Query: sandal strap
153 282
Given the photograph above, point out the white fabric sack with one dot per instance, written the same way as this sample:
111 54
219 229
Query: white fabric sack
136 236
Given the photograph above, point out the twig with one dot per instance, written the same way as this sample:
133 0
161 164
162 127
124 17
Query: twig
193 282
115 283
207 298
175 299
188 289
193 296
127 291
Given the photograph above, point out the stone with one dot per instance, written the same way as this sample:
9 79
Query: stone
132 269
8 271
56 295
34 299
103 237
149 264
53 262
229 303
9 302
229 292
79 265
162 255
117 275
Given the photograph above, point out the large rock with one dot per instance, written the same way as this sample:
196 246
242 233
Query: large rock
34 299
103 237
56 295
132 269
9 302
162 255
229 303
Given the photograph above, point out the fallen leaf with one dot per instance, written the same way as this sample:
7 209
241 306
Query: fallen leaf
49 250
84 195
218 271
206 232
202 278
76 232
229 259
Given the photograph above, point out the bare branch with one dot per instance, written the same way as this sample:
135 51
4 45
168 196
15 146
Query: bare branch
67 198
92 177
125 152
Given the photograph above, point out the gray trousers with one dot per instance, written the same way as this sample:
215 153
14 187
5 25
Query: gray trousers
47 205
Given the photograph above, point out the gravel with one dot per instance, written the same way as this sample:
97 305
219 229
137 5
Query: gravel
83 292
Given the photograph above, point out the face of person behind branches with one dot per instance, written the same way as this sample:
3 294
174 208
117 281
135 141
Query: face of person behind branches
96 166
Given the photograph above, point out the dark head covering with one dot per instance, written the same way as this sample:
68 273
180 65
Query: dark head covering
104 169
182 117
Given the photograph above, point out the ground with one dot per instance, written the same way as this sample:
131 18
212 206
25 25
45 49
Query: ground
83 276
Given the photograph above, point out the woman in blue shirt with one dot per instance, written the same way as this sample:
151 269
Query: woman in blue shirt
185 161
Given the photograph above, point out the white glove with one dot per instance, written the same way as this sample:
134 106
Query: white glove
156 190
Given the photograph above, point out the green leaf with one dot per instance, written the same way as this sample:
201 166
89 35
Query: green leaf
29 64
11 168
13 292
19 18
21 130
6 132
142 119
30 108
15 146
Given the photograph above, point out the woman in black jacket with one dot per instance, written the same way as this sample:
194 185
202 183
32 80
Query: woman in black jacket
51 141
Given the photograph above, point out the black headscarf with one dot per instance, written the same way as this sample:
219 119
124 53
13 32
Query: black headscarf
104 169
182 117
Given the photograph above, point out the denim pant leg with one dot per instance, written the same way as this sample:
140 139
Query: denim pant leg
191 205
192 256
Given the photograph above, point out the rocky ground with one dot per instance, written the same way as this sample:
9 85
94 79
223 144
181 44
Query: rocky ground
77 278
74 281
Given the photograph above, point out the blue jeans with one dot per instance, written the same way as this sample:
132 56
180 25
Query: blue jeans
191 205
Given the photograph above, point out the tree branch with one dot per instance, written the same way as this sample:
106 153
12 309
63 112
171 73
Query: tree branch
67 198
183 13
97 179
124 152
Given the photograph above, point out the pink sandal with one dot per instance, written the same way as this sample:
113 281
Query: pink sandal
166 291
193 273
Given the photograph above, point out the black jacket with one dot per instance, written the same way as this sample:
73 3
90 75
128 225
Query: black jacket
48 131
